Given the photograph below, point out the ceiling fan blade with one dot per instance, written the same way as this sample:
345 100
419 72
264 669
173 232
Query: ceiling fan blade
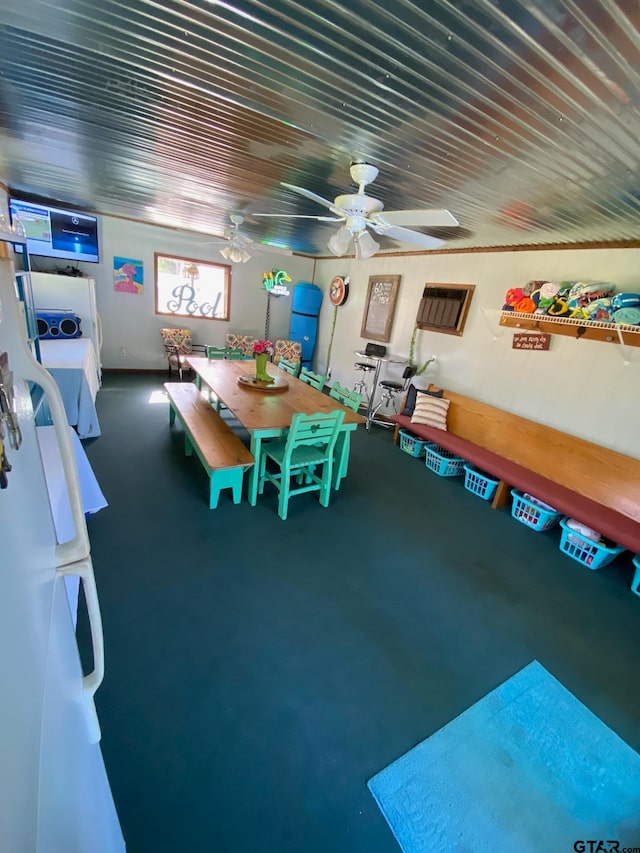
298 216
427 217
406 235
315 197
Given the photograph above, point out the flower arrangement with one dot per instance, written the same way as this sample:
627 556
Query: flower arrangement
262 348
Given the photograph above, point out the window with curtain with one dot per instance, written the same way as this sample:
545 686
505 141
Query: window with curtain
186 287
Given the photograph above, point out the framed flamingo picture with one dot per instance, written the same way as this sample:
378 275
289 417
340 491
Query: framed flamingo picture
128 275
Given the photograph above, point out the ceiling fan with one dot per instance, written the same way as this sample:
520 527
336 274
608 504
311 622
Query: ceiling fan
359 212
238 247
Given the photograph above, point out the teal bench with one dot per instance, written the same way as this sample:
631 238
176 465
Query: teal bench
223 455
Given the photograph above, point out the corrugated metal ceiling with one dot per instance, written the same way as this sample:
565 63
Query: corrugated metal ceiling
522 118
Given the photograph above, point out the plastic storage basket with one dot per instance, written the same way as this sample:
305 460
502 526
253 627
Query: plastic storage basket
479 483
635 583
534 514
591 554
442 461
411 444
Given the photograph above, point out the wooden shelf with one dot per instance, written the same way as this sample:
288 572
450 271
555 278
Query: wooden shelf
591 330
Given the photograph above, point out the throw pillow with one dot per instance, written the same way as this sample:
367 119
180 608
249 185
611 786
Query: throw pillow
431 411
410 402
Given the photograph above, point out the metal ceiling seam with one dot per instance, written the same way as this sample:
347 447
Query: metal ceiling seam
519 61
129 10
535 46
182 81
624 26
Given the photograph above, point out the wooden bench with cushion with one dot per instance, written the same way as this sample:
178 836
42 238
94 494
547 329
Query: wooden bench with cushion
596 486
220 450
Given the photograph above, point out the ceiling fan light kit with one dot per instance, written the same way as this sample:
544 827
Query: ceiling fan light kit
238 248
235 254
366 246
358 211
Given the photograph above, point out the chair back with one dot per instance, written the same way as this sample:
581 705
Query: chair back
319 430
291 350
407 375
235 354
345 396
217 352
243 342
316 380
177 341
288 366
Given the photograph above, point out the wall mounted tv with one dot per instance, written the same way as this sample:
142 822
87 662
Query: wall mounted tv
57 232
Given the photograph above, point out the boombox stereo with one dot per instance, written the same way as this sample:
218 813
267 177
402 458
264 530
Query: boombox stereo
58 324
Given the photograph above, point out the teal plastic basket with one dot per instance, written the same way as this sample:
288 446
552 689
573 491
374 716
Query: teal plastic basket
411 444
532 514
635 583
593 555
443 462
479 483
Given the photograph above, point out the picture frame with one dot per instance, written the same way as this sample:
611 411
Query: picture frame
379 307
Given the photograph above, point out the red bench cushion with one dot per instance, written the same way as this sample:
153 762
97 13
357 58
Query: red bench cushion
621 529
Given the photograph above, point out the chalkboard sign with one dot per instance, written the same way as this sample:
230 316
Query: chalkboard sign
379 307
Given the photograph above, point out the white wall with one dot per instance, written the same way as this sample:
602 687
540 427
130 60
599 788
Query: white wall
579 386
129 321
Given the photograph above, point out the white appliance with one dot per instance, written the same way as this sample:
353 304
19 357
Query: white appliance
70 293
54 791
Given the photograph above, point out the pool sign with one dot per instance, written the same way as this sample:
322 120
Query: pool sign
531 341
274 282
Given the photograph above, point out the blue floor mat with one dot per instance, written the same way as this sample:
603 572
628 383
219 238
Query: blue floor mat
527 768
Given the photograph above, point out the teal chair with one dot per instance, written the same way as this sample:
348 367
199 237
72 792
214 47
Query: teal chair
309 447
217 352
235 354
289 366
352 399
345 396
316 380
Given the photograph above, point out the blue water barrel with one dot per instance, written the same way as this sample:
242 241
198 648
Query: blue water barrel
307 299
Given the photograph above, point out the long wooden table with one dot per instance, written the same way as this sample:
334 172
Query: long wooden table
269 414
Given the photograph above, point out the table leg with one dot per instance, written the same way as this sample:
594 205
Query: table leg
370 407
252 490
341 458
257 437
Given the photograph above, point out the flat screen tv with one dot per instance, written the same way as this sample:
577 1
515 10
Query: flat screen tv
57 232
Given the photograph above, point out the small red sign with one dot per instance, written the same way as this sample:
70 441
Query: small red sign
531 340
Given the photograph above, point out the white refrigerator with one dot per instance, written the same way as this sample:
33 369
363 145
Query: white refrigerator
54 791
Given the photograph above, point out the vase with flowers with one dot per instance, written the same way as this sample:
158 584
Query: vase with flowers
262 350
